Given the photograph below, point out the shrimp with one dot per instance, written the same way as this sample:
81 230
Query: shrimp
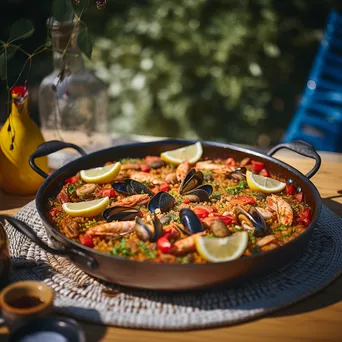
282 208
145 177
266 214
266 240
218 168
132 201
182 170
113 229
185 245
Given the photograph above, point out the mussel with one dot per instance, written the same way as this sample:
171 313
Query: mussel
131 187
219 228
193 189
190 221
162 200
120 213
238 174
252 220
148 232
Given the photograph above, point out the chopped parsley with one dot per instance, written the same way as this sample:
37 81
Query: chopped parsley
174 217
146 250
183 259
71 189
122 249
233 190
280 228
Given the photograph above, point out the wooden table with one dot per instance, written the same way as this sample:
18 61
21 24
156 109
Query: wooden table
318 318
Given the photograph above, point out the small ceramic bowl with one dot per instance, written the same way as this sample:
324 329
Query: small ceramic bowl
51 329
4 258
25 299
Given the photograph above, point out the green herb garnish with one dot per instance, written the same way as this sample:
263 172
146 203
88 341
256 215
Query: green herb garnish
71 189
233 190
146 250
122 249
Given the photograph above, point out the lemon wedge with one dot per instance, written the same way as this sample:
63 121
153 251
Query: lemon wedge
86 208
191 153
222 249
101 175
263 184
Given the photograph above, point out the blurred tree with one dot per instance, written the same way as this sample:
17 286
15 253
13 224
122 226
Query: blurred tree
214 69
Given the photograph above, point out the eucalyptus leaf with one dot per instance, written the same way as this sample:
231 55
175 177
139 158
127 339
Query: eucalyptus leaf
21 29
62 10
84 42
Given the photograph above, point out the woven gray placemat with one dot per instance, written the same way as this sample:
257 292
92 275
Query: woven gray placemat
83 297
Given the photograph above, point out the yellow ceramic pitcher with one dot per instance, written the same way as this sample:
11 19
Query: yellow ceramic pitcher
19 138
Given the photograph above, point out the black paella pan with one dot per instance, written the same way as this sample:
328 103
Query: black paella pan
156 276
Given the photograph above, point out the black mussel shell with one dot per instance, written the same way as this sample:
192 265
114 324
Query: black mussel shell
190 220
207 188
162 200
253 219
120 213
192 180
147 232
197 195
298 190
289 181
236 175
136 187
121 188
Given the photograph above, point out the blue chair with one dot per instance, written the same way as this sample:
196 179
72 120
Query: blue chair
318 119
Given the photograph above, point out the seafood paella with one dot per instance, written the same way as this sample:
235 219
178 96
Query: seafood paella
180 208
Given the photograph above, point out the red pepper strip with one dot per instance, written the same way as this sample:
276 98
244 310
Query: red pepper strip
164 244
225 218
299 197
290 189
257 166
144 168
242 200
186 201
230 161
155 190
54 211
86 240
304 217
264 173
201 212
71 180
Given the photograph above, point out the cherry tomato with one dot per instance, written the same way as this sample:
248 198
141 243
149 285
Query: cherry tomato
164 187
290 189
106 192
71 180
86 240
264 173
164 244
186 201
144 168
304 217
257 166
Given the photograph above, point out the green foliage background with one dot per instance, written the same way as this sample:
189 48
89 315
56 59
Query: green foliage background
215 69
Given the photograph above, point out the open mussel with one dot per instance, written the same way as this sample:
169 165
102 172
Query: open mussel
238 174
190 221
193 189
120 213
162 200
252 220
131 187
148 232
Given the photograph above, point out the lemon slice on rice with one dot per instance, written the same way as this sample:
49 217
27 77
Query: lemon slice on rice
222 249
86 208
101 175
264 184
191 153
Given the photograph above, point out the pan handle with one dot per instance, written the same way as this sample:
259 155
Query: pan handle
303 148
73 254
47 148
